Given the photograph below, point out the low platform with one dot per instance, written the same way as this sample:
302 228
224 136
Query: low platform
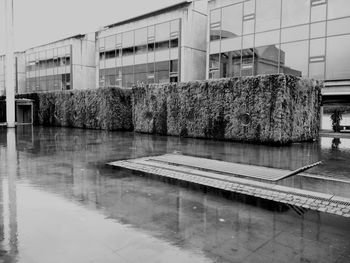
234 177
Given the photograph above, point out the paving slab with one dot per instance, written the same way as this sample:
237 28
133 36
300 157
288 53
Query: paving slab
228 168
179 168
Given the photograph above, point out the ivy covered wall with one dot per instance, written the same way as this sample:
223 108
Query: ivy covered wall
274 109
108 109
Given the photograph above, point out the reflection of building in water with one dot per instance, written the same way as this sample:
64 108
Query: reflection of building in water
8 198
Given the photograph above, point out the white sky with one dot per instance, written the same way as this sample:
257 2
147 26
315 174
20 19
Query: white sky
42 21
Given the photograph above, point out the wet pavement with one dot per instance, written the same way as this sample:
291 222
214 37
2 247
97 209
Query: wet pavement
59 202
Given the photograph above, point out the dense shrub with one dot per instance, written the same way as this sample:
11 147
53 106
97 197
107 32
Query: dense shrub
108 109
276 109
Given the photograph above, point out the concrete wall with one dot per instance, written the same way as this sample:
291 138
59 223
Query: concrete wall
83 62
193 48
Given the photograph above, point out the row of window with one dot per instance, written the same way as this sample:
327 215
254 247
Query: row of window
292 37
49 83
48 59
138 50
254 16
158 72
326 58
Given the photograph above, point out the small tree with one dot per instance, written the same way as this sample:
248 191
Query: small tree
336 117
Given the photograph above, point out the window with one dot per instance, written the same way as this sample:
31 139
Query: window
318 29
338 27
141 41
295 33
266 60
294 58
231 21
267 14
338 57
174 67
162 72
318 11
295 12
338 8
215 24
214 66
128 43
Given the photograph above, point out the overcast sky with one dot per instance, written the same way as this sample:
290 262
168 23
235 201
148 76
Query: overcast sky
42 21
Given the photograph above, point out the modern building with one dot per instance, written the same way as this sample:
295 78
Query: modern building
19 76
167 45
308 38
62 65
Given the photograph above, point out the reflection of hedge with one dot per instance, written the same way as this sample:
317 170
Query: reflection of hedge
2 109
280 109
108 109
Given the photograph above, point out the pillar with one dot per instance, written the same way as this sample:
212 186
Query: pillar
9 65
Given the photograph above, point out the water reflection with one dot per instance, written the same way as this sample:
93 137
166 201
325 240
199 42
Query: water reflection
65 200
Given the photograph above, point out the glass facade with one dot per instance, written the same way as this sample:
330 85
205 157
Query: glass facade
308 38
144 55
49 70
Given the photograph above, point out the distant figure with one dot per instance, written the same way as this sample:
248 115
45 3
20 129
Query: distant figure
335 143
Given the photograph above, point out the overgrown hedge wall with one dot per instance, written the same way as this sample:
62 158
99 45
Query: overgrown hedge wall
276 109
108 109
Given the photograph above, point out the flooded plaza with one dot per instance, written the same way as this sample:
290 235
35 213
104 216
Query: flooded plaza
60 202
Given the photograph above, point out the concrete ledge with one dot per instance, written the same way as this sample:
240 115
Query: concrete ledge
287 195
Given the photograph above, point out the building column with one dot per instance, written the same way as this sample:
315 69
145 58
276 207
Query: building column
9 68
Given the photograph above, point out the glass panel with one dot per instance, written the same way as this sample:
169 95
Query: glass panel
317 47
295 33
338 57
128 48
174 65
318 13
249 7
294 58
266 60
248 41
231 44
141 41
128 40
162 32
162 72
248 26
247 62
318 29
119 39
231 21
295 12
215 16
230 65
268 38
268 14
214 66
110 54
110 42
175 26
215 25
316 70
338 8
339 26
